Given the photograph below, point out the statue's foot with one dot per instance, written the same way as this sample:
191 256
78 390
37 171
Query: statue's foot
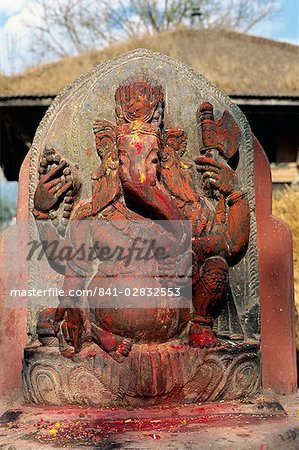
118 347
122 350
202 336
125 346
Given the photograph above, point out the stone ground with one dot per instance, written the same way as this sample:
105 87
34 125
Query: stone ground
261 424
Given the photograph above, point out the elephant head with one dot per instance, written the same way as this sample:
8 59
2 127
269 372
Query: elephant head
135 145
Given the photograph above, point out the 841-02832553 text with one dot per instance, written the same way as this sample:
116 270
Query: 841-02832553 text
99 291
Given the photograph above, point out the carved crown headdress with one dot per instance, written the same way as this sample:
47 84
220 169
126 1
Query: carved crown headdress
139 101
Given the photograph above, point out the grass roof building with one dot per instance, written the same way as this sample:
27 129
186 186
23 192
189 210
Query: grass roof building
260 75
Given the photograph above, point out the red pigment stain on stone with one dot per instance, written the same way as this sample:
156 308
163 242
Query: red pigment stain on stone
108 320
161 197
177 347
155 436
97 430
107 427
138 146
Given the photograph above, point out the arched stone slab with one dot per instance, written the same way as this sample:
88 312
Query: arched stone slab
230 371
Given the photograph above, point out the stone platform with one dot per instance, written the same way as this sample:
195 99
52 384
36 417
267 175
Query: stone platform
259 423
151 375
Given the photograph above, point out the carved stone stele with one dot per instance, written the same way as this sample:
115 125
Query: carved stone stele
143 138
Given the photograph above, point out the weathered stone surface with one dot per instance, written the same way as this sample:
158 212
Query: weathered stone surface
13 322
276 285
210 126
245 424
154 367
152 375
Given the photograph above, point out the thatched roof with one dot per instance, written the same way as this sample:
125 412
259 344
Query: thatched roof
236 63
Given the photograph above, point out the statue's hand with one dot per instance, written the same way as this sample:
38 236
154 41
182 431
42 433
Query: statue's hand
217 175
51 189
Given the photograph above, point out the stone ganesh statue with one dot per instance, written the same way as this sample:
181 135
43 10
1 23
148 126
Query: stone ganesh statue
143 177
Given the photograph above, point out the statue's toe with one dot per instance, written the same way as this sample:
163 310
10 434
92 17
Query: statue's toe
125 347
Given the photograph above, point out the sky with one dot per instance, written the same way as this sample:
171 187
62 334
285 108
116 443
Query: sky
14 34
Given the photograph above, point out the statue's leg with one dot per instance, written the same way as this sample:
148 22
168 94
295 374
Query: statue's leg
118 347
208 290
68 327
59 337
65 343
72 329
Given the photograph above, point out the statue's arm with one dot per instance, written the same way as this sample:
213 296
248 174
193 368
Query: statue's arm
238 224
52 244
53 187
233 217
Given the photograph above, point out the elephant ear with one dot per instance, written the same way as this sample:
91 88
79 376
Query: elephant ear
105 179
105 136
176 139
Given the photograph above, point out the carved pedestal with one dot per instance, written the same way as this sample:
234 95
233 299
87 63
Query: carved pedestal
152 375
